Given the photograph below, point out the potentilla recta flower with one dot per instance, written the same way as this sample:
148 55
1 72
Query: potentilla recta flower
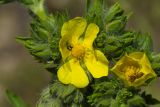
78 53
134 69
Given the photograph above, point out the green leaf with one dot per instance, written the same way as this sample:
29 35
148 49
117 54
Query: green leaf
149 99
15 100
117 25
114 11
123 95
103 103
143 42
46 100
95 12
103 92
114 103
40 50
69 95
136 101
61 90
87 6
155 62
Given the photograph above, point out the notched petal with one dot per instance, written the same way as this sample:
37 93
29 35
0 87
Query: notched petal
90 35
72 73
97 64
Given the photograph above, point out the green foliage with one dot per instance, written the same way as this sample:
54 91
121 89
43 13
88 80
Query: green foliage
15 100
114 44
95 12
149 99
104 92
44 39
115 19
112 93
113 12
113 40
46 100
143 42
60 95
155 59
136 101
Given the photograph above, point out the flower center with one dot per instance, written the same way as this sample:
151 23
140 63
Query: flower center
132 73
78 51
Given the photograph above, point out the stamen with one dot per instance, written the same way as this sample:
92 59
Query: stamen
78 51
132 73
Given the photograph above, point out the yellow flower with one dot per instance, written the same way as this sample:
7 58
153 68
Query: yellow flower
134 69
77 51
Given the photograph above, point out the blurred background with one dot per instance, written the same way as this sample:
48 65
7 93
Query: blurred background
23 75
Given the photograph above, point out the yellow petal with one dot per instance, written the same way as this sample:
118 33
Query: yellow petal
138 60
148 73
74 28
70 33
143 60
90 35
136 55
139 56
120 65
63 49
72 73
97 64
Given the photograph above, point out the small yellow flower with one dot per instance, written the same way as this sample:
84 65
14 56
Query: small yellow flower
134 69
77 50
